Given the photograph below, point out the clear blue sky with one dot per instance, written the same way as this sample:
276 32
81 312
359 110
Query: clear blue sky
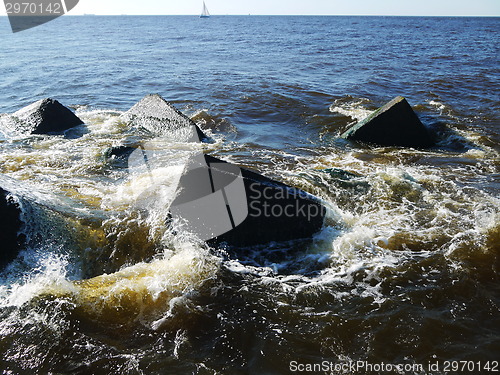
291 7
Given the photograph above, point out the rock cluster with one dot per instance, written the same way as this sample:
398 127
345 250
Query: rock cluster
219 202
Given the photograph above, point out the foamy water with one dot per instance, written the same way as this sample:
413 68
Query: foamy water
404 270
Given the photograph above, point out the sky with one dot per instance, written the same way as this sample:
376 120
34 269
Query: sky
291 7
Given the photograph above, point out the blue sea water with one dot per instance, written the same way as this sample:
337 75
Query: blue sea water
246 68
407 273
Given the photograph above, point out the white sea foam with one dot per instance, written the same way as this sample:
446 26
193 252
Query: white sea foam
437 104
142 291
351 252
48 278
353 108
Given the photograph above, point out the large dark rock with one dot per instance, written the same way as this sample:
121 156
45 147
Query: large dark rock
161 118
43 117
394 124
223 203
10 225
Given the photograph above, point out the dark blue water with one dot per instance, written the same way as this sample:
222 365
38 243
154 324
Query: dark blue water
250 68
406 272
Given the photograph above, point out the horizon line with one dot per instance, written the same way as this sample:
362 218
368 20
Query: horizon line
277 15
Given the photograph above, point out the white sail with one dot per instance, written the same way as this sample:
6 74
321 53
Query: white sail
204 13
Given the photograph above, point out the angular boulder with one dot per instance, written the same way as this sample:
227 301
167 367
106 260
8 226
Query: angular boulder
44 117
161 118
10 224
394 124
222 203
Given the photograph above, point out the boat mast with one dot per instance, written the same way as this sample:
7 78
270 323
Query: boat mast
204 13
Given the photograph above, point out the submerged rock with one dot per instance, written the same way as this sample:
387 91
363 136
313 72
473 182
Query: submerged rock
161 118
394 124
345 179
43 117
119 153
10 224
222 203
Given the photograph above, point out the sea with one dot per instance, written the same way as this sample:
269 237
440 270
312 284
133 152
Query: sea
404 276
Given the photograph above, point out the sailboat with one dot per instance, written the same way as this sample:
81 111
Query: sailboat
204 12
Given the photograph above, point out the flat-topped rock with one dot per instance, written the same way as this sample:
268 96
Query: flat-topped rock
10 225
223 203
394 124
43 117
161 118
